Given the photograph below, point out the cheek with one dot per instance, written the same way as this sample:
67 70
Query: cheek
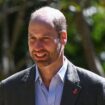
30 47
56 48
30 50
57 45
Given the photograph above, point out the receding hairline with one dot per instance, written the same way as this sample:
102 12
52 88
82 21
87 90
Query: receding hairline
47 14
47 11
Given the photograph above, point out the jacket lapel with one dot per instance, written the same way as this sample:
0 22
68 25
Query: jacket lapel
71 86
28 88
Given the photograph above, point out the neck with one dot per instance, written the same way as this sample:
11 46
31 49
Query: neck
47 73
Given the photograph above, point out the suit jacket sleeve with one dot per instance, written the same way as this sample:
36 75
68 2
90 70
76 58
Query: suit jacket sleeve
1 94
101 94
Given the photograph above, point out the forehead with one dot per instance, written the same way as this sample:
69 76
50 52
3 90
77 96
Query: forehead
41 28
39 24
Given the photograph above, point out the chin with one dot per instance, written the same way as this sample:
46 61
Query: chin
42 63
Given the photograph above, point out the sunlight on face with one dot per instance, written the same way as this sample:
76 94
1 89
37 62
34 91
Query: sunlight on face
44 43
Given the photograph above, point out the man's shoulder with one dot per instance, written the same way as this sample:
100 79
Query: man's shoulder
85 76
17 77
90 77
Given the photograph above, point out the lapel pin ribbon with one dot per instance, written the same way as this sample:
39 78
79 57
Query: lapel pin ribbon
75 91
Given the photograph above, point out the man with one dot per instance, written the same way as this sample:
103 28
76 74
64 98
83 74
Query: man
53 80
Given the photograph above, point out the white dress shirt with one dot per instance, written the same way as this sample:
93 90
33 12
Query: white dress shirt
51 96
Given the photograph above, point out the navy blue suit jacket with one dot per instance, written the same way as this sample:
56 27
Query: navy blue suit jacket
81 87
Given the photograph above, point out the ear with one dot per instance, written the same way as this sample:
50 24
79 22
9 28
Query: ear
63 37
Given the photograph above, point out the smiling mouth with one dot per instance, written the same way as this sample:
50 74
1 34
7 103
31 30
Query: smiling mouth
40 55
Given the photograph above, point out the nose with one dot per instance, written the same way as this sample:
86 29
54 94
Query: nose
38 45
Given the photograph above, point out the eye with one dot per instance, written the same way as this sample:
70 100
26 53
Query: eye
46 38
31 39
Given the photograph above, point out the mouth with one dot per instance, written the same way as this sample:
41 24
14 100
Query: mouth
39 55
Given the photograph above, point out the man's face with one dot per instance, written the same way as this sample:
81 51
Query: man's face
44 43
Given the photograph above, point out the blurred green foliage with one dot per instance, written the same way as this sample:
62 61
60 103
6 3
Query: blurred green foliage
74 49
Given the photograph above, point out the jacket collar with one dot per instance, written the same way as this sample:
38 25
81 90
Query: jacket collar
71 74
